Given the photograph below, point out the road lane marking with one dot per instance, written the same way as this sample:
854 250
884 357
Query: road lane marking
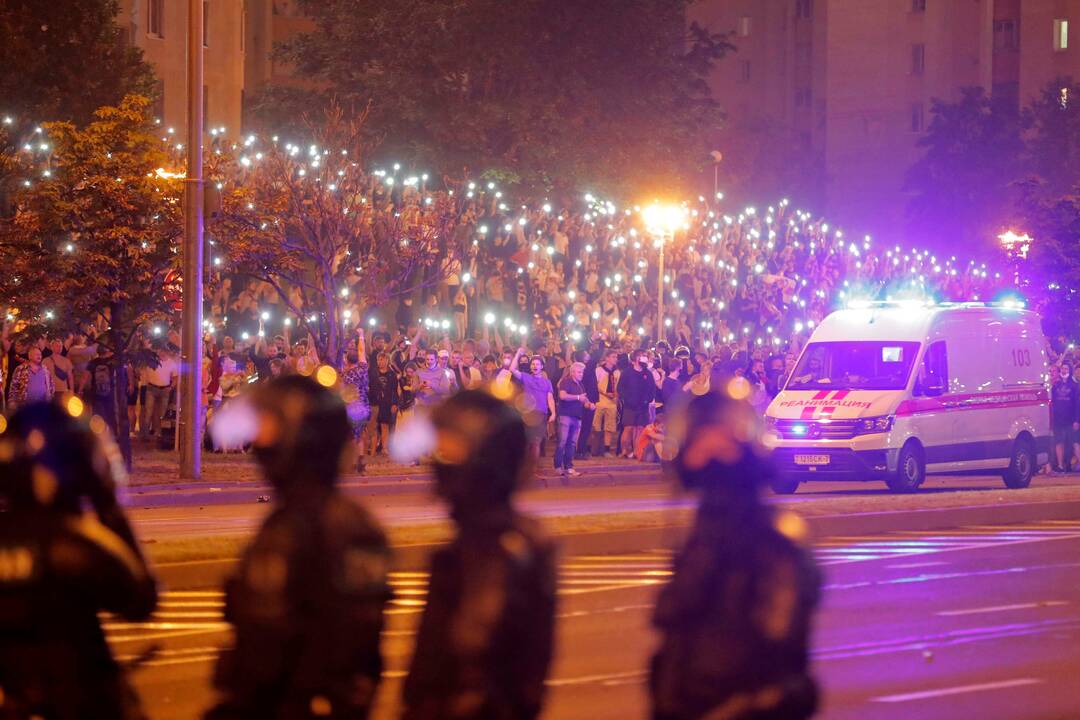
909 566
957 690
1002 608
944 639
587 679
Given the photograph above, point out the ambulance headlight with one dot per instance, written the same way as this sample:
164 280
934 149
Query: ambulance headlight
866 426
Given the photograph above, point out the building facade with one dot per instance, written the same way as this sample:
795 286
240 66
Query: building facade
239 37
842 89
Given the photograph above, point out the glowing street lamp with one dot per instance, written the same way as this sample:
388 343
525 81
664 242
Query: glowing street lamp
1015 244
662 221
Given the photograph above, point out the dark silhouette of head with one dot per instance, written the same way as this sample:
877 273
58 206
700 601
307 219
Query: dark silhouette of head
719 447
302 432
50 458
480 456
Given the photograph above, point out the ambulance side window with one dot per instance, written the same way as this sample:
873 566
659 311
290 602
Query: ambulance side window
934 374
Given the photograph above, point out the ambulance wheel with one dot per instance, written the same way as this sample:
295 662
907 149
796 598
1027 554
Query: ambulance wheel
784 485
910 470
1022 466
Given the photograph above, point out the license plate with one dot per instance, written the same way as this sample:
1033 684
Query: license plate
811 459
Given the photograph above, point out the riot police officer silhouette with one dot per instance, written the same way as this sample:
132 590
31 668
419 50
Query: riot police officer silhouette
307 599
735 618
485 640
60 565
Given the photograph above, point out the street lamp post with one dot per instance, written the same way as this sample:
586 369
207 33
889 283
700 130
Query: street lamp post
662 221
190 420
660 294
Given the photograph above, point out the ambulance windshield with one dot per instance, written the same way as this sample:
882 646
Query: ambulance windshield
854 365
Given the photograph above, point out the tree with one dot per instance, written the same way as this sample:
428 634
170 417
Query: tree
1049 203
609 95
963 184
94 233
322 231
62 61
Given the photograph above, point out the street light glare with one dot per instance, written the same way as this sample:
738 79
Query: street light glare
665 218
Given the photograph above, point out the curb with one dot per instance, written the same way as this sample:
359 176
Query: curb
212 573
250 492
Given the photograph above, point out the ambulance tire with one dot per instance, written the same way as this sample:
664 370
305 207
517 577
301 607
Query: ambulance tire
910 470
1022 466
784 484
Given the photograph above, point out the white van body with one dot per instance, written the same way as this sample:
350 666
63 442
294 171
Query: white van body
896 391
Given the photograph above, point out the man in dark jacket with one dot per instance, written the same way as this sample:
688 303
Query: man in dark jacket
636 390
307 599
735 618
485 641
61 566
1064 413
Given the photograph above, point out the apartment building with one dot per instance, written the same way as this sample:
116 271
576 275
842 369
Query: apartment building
845 86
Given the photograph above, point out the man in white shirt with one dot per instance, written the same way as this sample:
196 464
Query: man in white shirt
160 383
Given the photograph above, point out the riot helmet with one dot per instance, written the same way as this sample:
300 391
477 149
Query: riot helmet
302 429
52 456
480 451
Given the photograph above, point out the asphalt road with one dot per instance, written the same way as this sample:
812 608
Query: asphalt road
978 622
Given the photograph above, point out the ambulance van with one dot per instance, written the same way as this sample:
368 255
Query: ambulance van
894 391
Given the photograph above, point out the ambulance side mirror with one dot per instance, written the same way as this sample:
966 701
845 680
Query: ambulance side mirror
931 389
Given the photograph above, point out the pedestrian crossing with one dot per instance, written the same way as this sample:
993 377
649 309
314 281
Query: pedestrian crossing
902 544
195 617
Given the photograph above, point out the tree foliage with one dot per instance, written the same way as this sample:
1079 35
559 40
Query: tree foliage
963 185
94 230
307 219
608 95
1049 203
63 60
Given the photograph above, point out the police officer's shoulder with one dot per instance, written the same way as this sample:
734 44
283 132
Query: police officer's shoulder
525 541
88 541
791 526
352 520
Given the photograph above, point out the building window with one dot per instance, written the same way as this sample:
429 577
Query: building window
744 71
1005 35
802 97
205 24
1061 34
155 18
243 27
205 108
804 9
744 26
918 6
917 118
918 59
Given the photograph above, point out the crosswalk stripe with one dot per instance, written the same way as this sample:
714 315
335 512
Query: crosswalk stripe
195 612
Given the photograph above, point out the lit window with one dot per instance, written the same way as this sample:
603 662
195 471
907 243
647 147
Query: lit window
1061 34
155 21
744 27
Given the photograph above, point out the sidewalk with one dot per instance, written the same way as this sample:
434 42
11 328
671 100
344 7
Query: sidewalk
235 479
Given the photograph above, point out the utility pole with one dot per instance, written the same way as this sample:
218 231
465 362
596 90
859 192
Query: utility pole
191 418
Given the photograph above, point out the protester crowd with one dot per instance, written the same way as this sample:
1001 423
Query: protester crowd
743 292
